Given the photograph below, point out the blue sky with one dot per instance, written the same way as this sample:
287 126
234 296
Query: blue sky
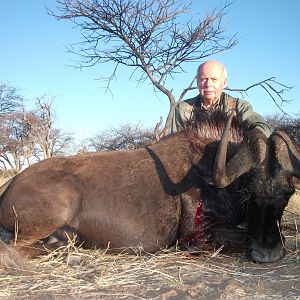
34 59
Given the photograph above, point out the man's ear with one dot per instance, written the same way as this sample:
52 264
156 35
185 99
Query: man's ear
197 81
225 83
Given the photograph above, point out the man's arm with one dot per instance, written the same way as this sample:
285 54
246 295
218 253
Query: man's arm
177 122
182 114
245 113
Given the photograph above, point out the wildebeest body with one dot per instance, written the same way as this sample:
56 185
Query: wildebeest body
99 195
109 198
182 188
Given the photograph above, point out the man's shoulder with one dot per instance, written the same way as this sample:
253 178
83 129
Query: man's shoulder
188 102
184 108
231 100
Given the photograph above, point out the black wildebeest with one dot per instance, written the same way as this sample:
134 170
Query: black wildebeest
178 189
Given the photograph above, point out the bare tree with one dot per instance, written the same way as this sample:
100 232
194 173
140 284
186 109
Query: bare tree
124 137
16 146
10 99
29 136
48 140
148 36
156 38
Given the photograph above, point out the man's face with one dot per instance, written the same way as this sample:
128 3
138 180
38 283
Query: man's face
211 81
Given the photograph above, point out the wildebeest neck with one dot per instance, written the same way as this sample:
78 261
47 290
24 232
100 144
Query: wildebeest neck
186 158
174 161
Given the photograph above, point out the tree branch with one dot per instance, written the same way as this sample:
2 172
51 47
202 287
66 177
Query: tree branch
272 87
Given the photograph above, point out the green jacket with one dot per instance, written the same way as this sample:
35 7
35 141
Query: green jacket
244 111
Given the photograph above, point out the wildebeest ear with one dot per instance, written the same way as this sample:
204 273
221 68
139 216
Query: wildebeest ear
287 155
239 164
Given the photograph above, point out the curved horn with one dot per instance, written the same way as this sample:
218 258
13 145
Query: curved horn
284 145
239 164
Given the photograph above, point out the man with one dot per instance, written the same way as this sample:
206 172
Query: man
211 80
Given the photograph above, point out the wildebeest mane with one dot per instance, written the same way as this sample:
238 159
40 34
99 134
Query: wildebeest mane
205 128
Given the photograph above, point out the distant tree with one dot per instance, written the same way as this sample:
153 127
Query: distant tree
277 120
16 146
156 38
291 125
30 136
49 141
10 99
125 137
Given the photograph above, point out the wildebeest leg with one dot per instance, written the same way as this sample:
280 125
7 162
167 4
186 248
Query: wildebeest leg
64 235
61 237
35 214
30 248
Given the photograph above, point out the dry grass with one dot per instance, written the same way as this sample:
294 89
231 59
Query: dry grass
3 179
170 274
294 203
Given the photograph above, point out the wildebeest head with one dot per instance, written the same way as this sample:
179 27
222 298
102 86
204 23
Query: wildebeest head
270 164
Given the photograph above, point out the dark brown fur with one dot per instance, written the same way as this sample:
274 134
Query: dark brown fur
149 198
143 198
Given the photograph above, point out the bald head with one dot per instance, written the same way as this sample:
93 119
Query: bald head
211 80
212 64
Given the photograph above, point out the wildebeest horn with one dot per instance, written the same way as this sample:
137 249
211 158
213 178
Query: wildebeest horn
239 164
286 153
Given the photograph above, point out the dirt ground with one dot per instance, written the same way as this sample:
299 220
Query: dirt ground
76 273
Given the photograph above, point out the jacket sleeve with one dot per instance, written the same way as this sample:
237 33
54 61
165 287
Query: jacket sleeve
183 114
245 113
178 122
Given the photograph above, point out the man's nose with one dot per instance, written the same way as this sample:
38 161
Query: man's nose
209 82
